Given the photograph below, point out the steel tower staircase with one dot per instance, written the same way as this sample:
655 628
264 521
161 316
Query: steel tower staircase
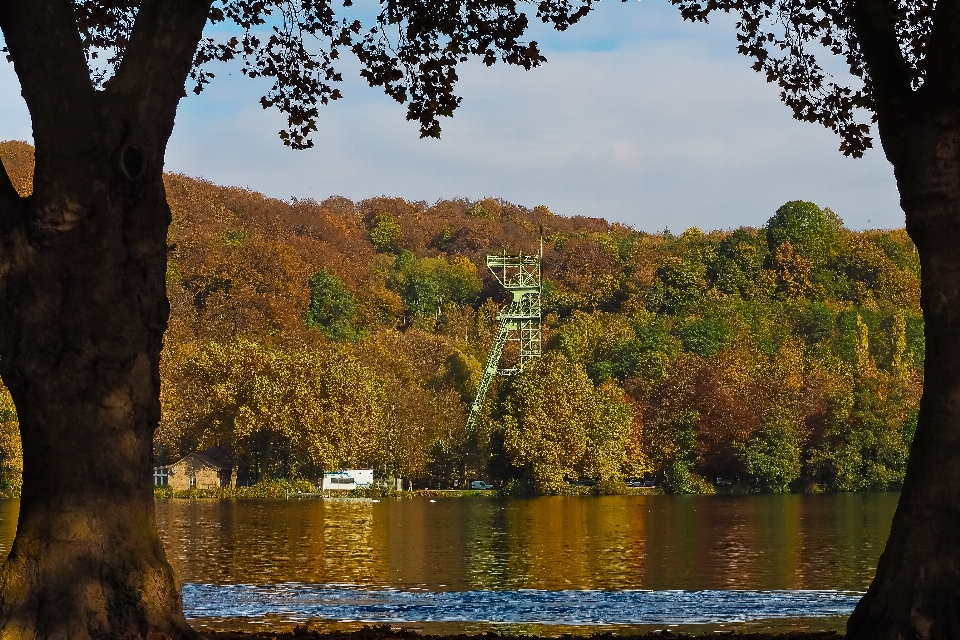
519 321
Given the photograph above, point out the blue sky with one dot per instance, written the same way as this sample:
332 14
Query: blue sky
638 117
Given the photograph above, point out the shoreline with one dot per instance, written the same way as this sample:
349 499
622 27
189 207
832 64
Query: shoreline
292 491
284 493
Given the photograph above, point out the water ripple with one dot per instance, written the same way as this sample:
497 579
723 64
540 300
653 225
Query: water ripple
297 602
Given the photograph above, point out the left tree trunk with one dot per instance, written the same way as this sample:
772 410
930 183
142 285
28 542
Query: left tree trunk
83 309
81 329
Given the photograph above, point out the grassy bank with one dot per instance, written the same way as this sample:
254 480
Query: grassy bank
273 489
266 489
276 489
571 490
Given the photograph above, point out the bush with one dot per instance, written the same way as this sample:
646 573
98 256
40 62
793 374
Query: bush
375 491
519 488
263 489
612 487
679 478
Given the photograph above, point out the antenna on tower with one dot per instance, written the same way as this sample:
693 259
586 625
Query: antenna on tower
541 238
519 321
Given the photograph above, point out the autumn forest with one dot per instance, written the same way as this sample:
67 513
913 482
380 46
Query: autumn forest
308 336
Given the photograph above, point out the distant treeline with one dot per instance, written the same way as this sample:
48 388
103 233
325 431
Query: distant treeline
311 336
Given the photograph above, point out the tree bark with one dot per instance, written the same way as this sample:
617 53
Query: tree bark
82 325
83 309
916 590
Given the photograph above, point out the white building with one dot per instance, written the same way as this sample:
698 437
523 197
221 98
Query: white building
346 479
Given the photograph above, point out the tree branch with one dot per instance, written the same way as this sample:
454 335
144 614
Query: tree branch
875 28
159 57
48 58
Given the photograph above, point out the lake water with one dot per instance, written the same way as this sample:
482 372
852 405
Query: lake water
543 565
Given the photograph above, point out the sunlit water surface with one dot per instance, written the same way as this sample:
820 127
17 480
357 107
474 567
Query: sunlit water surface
542 565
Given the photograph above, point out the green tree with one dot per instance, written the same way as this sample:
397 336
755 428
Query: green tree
427 284
810 231
545 420
418 413
678 286
592 340
792 272
738 263
898 339
705 336
462 373
772 454
871 276
768 323
679 475
813 321
332 306
868 442
386 232
647 354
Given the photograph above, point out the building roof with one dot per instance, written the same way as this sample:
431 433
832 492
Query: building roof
212 457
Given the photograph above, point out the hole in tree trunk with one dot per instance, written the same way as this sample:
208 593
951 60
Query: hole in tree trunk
132 161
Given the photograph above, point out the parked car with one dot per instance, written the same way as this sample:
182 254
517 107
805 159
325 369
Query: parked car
480 484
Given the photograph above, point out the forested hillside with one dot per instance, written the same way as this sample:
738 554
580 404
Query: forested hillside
307 336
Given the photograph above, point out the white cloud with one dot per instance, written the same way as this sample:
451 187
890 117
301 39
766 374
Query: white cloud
625 153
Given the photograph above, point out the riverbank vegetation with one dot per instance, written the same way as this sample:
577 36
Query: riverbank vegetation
307 336
268 488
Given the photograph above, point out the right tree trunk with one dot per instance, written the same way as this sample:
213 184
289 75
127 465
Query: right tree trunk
916 591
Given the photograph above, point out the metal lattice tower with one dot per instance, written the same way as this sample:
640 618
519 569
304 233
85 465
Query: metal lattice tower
519 321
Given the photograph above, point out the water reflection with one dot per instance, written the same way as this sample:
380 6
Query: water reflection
557 543
502 562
